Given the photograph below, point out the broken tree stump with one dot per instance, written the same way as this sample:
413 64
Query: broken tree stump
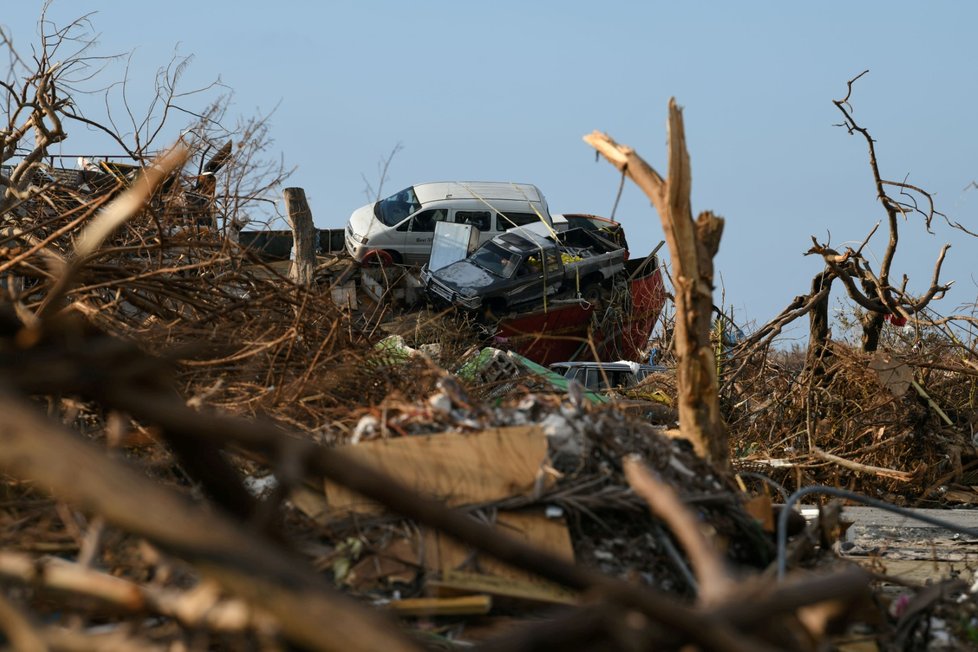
303 266
692 246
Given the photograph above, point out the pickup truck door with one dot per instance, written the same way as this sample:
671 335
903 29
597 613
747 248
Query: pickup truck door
530 284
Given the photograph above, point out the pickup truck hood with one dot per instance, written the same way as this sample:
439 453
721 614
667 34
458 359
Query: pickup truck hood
464 277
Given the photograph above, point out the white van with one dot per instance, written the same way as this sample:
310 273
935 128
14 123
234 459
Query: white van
401 228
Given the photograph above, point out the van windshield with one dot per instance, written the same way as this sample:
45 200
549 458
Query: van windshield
394 209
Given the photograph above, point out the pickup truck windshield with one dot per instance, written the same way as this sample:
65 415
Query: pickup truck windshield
394 209
496 260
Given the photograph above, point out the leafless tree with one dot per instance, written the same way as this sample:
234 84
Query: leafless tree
877 294
61 83
36 99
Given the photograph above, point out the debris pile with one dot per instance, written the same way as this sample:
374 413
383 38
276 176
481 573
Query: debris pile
199 451
190 566
880 424
489 517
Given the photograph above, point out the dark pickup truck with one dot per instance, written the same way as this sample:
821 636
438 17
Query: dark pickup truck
521 269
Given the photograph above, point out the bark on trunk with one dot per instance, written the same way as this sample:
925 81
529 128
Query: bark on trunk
304 236
818 325
872 323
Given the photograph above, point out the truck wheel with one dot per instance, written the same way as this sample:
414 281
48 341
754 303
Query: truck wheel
494 310
592 293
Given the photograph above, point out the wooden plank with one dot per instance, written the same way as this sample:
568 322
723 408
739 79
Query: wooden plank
458 468
469 605
455 583
534 528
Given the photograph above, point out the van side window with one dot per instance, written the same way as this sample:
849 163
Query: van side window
479 219
509 220
425 220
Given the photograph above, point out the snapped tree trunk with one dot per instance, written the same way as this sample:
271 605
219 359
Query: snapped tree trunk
818 324
303 236
692 246
872 322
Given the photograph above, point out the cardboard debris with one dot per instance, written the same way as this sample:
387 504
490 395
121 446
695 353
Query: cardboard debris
459 468
460 570
310 503
893 374
761 509
397 563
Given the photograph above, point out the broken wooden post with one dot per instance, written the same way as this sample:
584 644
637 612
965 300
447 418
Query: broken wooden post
691 247
303 266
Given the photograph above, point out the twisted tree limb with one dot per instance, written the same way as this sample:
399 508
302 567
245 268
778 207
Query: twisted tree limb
878 295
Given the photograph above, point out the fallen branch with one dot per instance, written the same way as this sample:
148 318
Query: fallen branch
196 608
933 404
19 629
33 448
901 476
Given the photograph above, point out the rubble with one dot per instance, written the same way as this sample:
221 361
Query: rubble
199 451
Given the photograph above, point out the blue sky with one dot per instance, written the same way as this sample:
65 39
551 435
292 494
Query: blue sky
505 90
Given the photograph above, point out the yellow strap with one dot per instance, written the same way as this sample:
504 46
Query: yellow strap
553 233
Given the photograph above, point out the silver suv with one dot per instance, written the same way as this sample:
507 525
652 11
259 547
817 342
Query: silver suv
599 376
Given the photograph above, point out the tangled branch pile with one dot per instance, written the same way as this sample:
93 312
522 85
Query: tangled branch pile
174 365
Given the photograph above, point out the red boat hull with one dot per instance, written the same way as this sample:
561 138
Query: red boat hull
564 333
